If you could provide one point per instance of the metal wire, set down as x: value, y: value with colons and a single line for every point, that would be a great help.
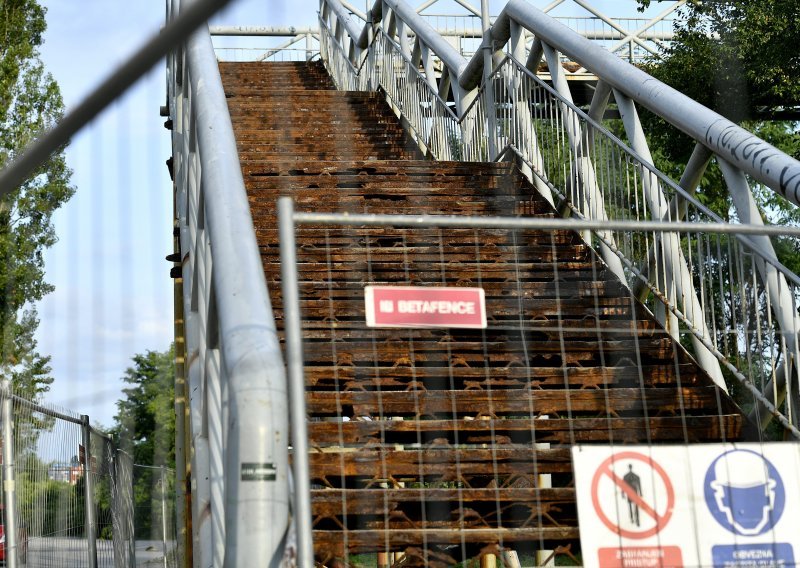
x: 125, y: 75
x: 423, y: 254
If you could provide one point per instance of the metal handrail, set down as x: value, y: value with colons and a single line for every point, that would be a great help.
x: 739, y: 231
x: 232, y: 344
x: 423, y: 127
x: 446, y: 52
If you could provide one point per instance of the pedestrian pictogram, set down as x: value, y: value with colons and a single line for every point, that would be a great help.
x: 634, y: 483
x: 632, y: 495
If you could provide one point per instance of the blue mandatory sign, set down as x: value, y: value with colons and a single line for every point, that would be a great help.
x: 744, y: 492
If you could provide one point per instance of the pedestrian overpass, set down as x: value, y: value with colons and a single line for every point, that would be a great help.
x: 618, y: 308
x: 426, y: 267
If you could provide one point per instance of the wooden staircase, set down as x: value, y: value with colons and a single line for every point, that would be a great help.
x: 435, y: 443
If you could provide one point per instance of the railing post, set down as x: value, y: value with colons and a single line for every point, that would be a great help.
x: 9, y: 477
x: 88, y: 492
x: 489, y: 108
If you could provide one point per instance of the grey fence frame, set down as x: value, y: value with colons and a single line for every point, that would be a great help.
x: 289, y: 219
x: 120, y: 479
x: 231, y: 340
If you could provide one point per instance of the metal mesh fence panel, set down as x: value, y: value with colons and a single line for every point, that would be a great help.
x: 60, y: 491
x: 50, y: 486
x: 430, y: 442
x: 122, y: 510
x: 102, y: 470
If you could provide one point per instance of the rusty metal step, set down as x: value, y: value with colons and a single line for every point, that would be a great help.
x: 367, y: 468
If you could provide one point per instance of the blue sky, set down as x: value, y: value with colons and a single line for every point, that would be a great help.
x: 113, y: 293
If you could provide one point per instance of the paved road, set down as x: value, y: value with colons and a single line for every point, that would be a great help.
x: 65, y: 552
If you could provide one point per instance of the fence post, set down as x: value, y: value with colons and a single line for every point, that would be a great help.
x: 124, y: 541
x: 164, y: 512
x: 88, y: 491
x: 9, y: 489
x: 297, y: 392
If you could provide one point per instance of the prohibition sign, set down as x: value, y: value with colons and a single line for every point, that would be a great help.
x: 643, y: 502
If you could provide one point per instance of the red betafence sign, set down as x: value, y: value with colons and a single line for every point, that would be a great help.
x: 416, y: 306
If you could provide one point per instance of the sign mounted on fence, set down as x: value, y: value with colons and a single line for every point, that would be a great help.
x: 722, y: 505
x: 645, y: 487
x: 417, y: 306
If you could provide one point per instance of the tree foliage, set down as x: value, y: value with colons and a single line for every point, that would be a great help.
x: 739, y: 57
x: 30, y: 102
x: 145, y: 427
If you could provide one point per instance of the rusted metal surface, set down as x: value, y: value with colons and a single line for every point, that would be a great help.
x: 433, y: 442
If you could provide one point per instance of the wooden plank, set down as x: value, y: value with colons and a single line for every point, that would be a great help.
x: 372, y: 467
x: 673, y: 429
x: 361, y: 540
x: 609, y: 402
x: 390, y: 377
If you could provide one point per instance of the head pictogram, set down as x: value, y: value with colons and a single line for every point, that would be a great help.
x: 744, y: 487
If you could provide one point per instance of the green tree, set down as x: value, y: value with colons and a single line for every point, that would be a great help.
x: 739, y: 57
x: 145, y: 427
x: 30, y: 102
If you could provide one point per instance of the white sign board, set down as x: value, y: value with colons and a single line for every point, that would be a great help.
x: 721, y: 505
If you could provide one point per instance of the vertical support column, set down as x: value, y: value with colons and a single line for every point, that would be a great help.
x: 545, y: 557
x: 489, y: 108
x: 402, y: 37
x: 677, y: 279
x: 518, y: 86
x: 511, y: 559
x: 323, y: 44
x: 586, y: 193
x: 296, y: 376
x: 182, y: 496
x: 779, y: 293
x: 88, y: 492
x: 9, y: 477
